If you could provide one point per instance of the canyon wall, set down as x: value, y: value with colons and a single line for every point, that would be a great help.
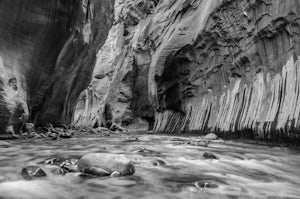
x: 238, y: 72
x: 47, y: 55
x: 200, y: 66
x: 118, y: 92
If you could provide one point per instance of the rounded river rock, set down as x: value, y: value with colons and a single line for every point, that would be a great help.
x: 93, y: 162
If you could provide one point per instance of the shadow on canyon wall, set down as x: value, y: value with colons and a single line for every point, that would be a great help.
x: 47, y: 54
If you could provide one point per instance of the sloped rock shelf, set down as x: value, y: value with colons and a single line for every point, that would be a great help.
x: 243, y: 170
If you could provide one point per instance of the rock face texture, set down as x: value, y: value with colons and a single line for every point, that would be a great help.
x: 200, y: 65
x: 47, y: 55
x: 233, y: 69
x: 119, y: 89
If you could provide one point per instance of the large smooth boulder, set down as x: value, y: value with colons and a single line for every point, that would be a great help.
x: 102, y: 163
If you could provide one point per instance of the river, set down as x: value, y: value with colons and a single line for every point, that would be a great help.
x: 242, y: 170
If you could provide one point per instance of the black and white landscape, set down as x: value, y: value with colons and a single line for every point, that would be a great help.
x: 149, y: 99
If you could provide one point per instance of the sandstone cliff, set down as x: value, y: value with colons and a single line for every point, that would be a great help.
x: 119, y: 89
x: 200, y: 65
x: 47, y: 54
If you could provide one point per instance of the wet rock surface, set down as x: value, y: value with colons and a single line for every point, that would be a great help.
x: 32, y: 172
x: 158, y: 163
x: 65, y: 132
x: 105, y: 164
x: 64, y: 164
x: 210, y: 136
x: 206, y: 184
x: 147, y: 152
x: 243, y: 170
x: 209, y: 155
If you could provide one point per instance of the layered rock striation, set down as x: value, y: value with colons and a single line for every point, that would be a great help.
x: 47, y: 55
x: 223, y: 66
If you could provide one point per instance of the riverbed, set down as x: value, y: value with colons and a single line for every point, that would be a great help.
x: 242, y: 170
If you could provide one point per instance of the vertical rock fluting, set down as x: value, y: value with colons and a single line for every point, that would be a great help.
x: 47, y: 54
x: 232, y: 68
x: 222, y: 65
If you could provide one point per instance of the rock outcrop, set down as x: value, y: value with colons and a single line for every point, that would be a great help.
x: 47, y: 55
x: 200, y: 65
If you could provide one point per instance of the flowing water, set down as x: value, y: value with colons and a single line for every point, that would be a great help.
x: 243, y: 170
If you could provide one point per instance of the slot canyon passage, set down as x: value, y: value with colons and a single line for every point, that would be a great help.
x: 149, y: 99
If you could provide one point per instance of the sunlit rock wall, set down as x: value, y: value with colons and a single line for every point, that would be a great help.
x: 47, y: 54
x: 228, y: 66
x: 200, y: 65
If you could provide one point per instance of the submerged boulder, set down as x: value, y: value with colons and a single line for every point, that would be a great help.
x: 206, y: 184
x: 209, y: 155
x: 158, y: 163
x: 102, y: 164
x: 210, y: 136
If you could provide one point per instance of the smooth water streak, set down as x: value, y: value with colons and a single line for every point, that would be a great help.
x: 242, y: 171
